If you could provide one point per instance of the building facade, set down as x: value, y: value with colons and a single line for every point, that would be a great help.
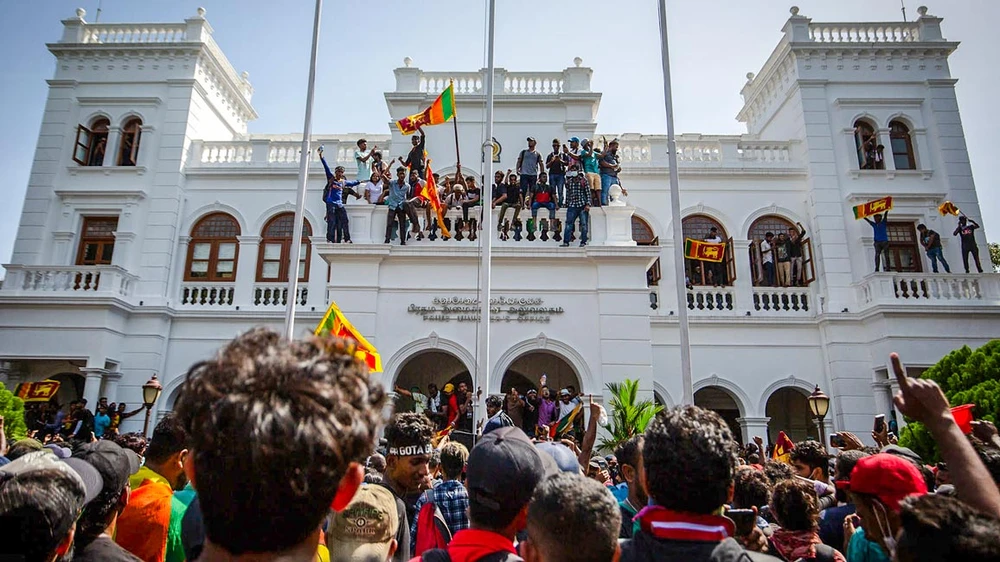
x: 155, y: 228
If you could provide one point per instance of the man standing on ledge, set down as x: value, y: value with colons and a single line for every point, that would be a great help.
x: 529, y: 161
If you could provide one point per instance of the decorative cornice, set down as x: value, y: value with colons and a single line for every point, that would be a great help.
x: 865, y: 102
x: 106, y: 170
x: 119, y: 100
x: 118, y: 194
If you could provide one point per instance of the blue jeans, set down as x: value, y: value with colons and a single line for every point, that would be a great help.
x: 606, y: 183
x: 528, y: 183
x: 935, y: 254
x: 338, y: 226
x: 558, y: 181
x: 550, y: 206
x: 769, y: 273
x: 572, y: 213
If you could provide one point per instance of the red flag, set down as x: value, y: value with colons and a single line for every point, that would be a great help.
x: 430, y: 193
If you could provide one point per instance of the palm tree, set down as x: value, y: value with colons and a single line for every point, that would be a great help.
x: 629, y: 417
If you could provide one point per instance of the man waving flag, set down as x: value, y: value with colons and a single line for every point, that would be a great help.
x: 430, y: 193
x: 441, y: 111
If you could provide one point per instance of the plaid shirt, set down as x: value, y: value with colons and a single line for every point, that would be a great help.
x: 577, y: 191
x: 453, y: 501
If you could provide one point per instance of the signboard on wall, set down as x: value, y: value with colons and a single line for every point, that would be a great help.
x: 502, y: 309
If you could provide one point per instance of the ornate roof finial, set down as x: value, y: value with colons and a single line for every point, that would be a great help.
x: 794, y: 10
x: 407, y: 61
x: 750, y: 76
x: 201, y: 12
x: 577, y: 61
x: 80, y: 12
x: 922, y: 10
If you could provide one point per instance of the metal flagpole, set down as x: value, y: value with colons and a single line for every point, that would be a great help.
x: 300, y: 200
x: 454, y: 120
x: 675, y: 215
x: 486, y: 238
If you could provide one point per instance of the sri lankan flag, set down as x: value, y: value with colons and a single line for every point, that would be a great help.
x: 441, y: 111
x: 430, y: 193
x: 872, y: 208
x: 704, y: 251
x: 41, y: 391
x: 949, y: 208
x: 566, y: 423
x: 337, y: 324
x: 783, y: 448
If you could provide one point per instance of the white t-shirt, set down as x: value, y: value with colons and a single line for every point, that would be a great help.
x: 419, y: 402
x: 765, y: 251
x: 373, y: 191
x: 565, y: 409
x: 715, y: 240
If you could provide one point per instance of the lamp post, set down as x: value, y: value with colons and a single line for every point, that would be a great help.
x: 150, y: 394
x: 819, y: 404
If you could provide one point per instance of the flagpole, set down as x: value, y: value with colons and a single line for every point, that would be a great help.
x: 675, y: 215
x: 300, y: 200
x: 454, y: 120
x: 483, y: 374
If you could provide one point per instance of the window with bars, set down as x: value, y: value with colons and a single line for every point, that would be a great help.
x: 698, y: 227
x: 904, y: 247
x: 276, y: 249
x: 91, y: 143
x: 214, y: 249
x: 902, y: 146
x: 128, y: 149
x: 97, y: 241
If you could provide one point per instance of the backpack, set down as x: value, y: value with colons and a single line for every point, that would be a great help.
x: 441, y: 555
x: 432, y: 529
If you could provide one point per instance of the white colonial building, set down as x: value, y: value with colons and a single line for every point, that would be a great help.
x: 155, y: 228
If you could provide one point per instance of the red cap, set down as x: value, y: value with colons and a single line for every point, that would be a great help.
x: 890, y: 478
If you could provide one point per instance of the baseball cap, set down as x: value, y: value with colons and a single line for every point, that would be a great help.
x: 564, y: 458
x: 531, y: 139
x: 574, y: 139
x: 564, y: 392
x: 364, y: 529
x: 61, y: 452
x: 114, y: 463
x: 41, y: 460
x: 449, y: 388
x: 503, y: 470
x: 890, y: 478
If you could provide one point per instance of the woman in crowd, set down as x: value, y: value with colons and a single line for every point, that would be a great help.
x: 795, y: 507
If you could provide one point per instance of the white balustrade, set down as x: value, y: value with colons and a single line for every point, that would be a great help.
x: 907, y: 32
x: 929, y: 289
x: 782, y: 300
x: 98, y: 280
x: 226, y: 153
x: 132, y: 33
x: 699, y: 151
x: 465, y: 82
x: 711, y: 299
x: 534, y: 83
x: 634, y: 152
x: 764, y: 152
x: 206, y: 295
x: 275, y: 295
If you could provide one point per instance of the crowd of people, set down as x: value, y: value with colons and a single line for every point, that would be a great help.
x: 576, y: 177
x: 276, y: 450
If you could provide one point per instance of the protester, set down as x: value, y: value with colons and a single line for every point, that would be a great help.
x: 496, y: 417
x: 150, y: 525
x: 366, y: 529
x: 530, y: 416
x: 548, y: 409
x: 831, y: 526
x: 335, y: 194
x: 514, y: 406
x: 796, y: 510
x: 409, y: 436
x: 810, y: 460
x: 40, y: 500
x: 609, y: 165
x: 362, y: 157
x: 101, y: 422
x: 120, y: 415
x: 415, y: 159
x: 629, y: 455
x: 556, y: 163
x: 529, y: 163
x: 767, y: 259
x: 449, y: 497
x: 571, y: 518
x: 931, y: 241
x: 689, y: 459
x: 98, y: 523
x: 966, y: 231
x: 935, y: 528
x: 880, y: 232
x: 752, y: 490
x: 398, y: 207
x: 504, y: 469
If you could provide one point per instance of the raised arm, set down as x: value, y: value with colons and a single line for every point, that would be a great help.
x: 128, y: 415
x: 403, y: 391
x: 329, y: 174
x: 869, y: 221
x: 802, y: 229
x: 590, y: 437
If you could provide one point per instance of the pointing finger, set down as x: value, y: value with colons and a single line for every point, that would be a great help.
x: 899, y: 370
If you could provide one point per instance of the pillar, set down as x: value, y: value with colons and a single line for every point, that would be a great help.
x: 110, y: 387
x: 246, y: 270
x: 754, y: 427
x: 94, y: 376
x: 111, y: 149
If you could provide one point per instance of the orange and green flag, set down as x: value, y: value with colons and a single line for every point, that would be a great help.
x: 704, y: 251
x: 338, y: 325
x: 441, y: 111
x: 783, y: 448
x: 41, y: 391
x: 872, y: 208
x: 566, y: 423
x: 430, y: 193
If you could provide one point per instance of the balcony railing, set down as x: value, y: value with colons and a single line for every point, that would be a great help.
x: 207, y: 295
x: 274, y: 153
x: 698, y: 151
x: 80, y: 280
x: 721, y: 300
x: 929, y: 289
x: 865, y: 33
x: 275, y: 295
x: 782, y: 300
x: 119, y: 33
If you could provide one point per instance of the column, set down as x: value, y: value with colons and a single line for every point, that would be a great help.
x: 92, y: 385
x: 110, y: 387
x: 246, y: 270
x: 743, y: 286
x: 618, y: 225
x: 890, y: 164
x: 111, y: 149
x: 754, y: 427
x: 316, y: 284
x: 8, y: 376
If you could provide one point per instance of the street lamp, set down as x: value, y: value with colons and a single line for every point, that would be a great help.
x: 819, y: 404
x: 150, y: 394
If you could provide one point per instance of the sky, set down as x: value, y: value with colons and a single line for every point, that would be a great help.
x: 713, y: 45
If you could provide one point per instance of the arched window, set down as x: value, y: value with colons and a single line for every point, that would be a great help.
x: 276, y: 249
x: 869, y: 149
x: 902, y: 146
x: 128, y: 149
x: 91, y: 142
x: 643, y: 235
x: 213, y: 249
x: 699, y: 272
x: 759, y: 254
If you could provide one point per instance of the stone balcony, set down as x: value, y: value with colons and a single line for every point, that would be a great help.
x: 975, y: 290
x: 75, y: 281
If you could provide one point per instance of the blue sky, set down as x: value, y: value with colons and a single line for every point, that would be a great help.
x: 714, y: 44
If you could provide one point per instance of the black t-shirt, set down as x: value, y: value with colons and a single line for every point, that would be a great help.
x: 415, y: 159
x: 103, y: 549
x: 968, y: 234
x: 403, y: 533
x: 513, y: 194
x: 557, y: 166
x: 498, y: 190
x: 87, y: 417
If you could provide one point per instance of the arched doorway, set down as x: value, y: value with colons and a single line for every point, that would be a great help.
x: 526, y: 371
x: 721, y: 402
x: 788, y: 409
x: 70, y: 388
x: 429, y: 367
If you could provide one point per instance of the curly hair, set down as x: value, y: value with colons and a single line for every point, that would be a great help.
x: 991, y: 458
x: 690, y: 457
x: 812, y: 454
x: 845, y: 463
x: 795, y: 505
x: 409, y: 428
x: 135, y: 442
x: 776, y: 471
x: 274, y: 426
x: 941, y: 528
x: 751, y: 489
x: 571, y: 517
